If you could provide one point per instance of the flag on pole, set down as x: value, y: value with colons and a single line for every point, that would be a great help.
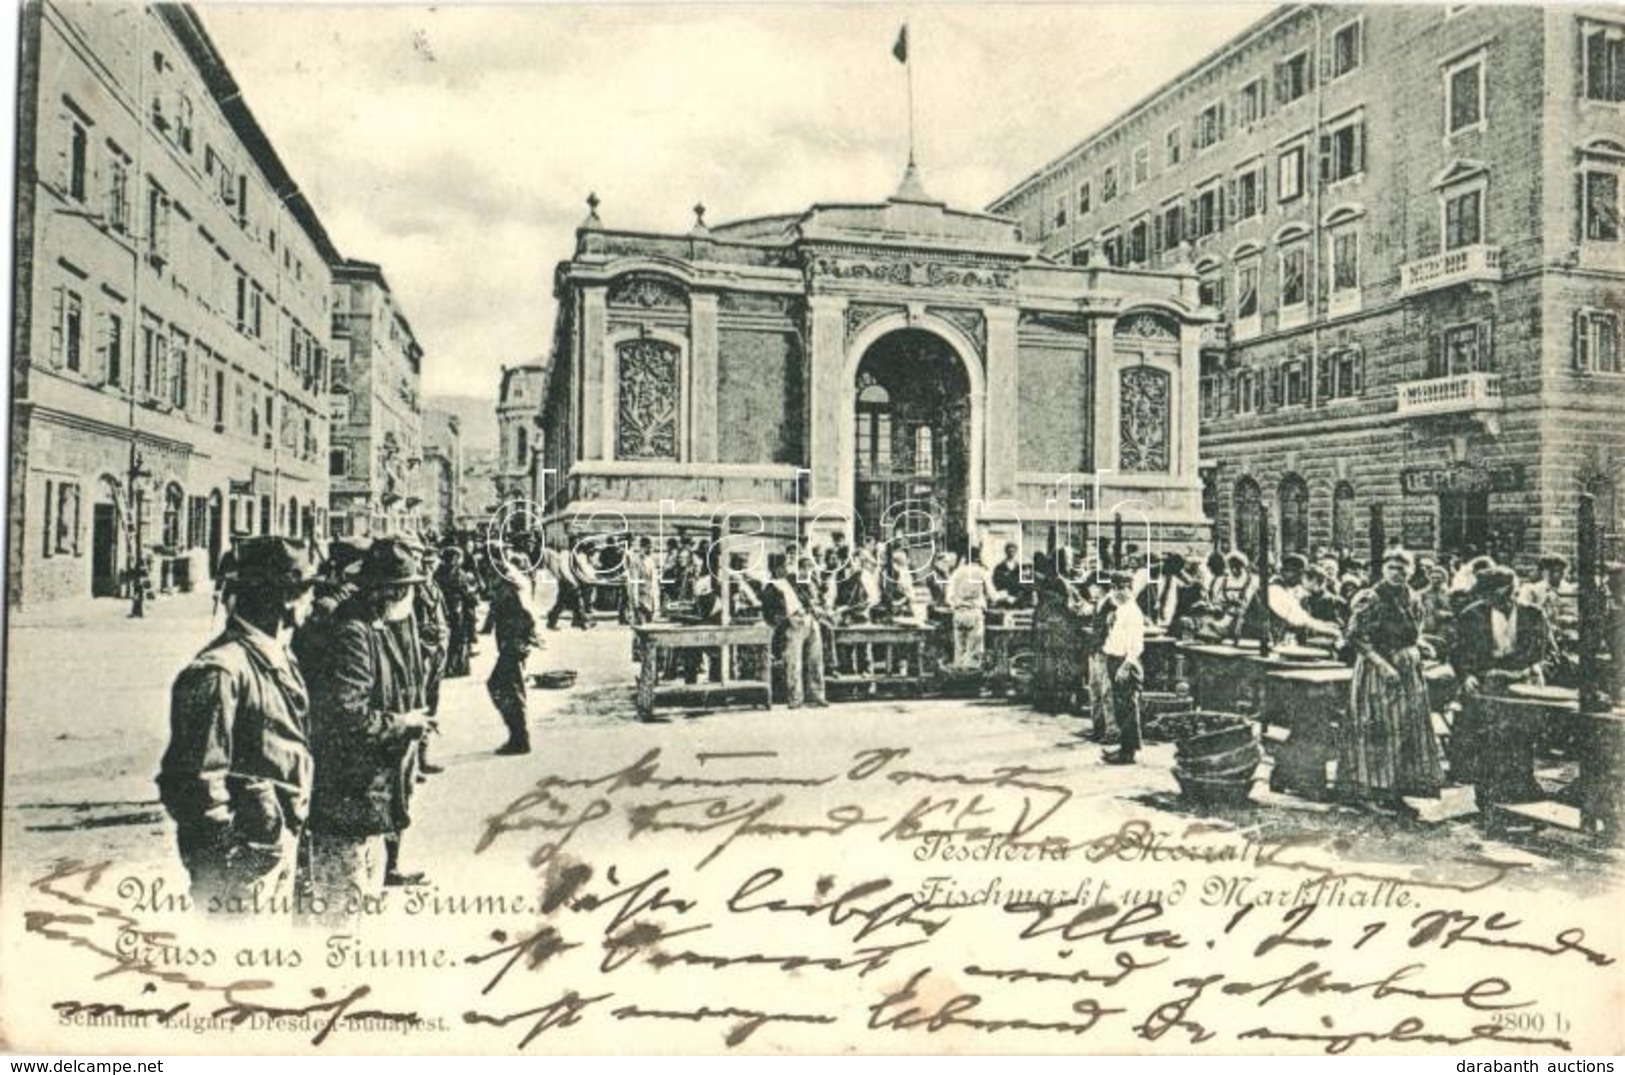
x: 900, y: 50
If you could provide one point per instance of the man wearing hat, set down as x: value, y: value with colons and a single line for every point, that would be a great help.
x: 1287, y: 613
x: 236, y: 777
x: 1545, y: 593
x: 434, y: 629
x: 367, y: 720
x: 1171, y: 600
x: 514, y: 626
x: 1498, y: 642
x: 792, y: 611
x: 1123, y: 646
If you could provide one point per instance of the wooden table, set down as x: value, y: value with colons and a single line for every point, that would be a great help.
x: 1311, y: 704
x: 894, y: 654
x: 656, y: 641
x: 1509, y: 728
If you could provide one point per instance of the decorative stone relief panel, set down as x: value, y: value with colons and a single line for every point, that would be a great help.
x: 1147, y: 327
x: 970, y: 322
x: 648, y: 395
x: 647, y: 292
x: 860, y: 314
x: 1144, y: 419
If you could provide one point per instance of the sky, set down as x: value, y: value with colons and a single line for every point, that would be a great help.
x: 455, y: 145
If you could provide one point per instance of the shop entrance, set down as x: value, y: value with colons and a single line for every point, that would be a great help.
x: 1464, y: 523
x: 912, y: 434
x: 104, y: 540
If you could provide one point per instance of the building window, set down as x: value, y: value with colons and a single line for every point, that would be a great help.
x: 1210, y: 398
x: 1295, y: 381
x: 61, y: 522
x: 1248, y: 196
x: 1294, y: 269
x: 520, y: 445
x: 1603, y: 60
x: 1343, y: 150
x: 1142, y: 166
x: 78, y: 160
x: 118, y: 191
x: 1464, y: 95
x: 1246, y: 502
x: 1464, y: 219
x: 1174, y: 146
x: 925, y: 455
x: 1060, y: 222
x: 1139, y: 242
x: 1344, y: 523
x: 648, y: 400
x: 157, y: 223
x: 1289, y: 174
x: 1173, y: 223
x: 174, y: 506
x: 183, y: 123
x: 1341, y: 374
x: 1083, y: 197
x: 1252, y: 102
x: 1210, y: 290
x: 113, y: 349
x: 68, y: 335
x: 1083, y: 255
x: 1209, y: 125
x: 179, y: 371
x: 1293, y: 498
x: 1596, y: 341
x: 1249, y: 392
x: 1108, y: 183
x: 874, y: 428
x: 1462, y: 349
x: 1247, y: 288
x: 1207, y: 211
x: 1111, y: 248
x: 1346, y: 49
x: 1600, y: 208
x: 1293, y: 78
x: 1345, y: 244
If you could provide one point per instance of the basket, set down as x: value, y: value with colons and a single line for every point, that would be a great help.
x: 1219, y: 741
x: 1242, y: 760
x: 1214, y: 790
x: 558, y: 680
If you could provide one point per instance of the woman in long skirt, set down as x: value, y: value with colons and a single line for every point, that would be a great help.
x: 1388, y: 751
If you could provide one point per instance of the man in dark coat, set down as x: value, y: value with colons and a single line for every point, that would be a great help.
x: 514, y: 625
x: 434, y: 631
x: 366, y: 721
x: 462, y: 601
x: 236, y: 777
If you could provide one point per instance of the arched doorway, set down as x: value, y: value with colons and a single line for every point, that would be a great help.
x: 1293, y: 496
x: 1344, y: 524
x: 911, y: 444
x: 1248, y: 526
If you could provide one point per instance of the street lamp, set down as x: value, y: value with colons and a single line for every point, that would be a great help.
x: 138, y: 575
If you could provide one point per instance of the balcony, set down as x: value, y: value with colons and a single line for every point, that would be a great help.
x: 1462, y: 394
x: 1215, y: 334
x: 1466, y: 265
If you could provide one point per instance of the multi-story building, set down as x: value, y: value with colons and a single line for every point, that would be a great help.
x: 375, y: 407
x: 1408, y: 218
x: 519, y: 432
x: 442, y: 469
x: 477, y: 496
x: 171, y: 311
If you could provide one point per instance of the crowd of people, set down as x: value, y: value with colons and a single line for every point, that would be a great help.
x: 299, y: 733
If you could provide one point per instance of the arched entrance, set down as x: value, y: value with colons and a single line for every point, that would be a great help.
x: 1246, y: 502
x: 107, y: 538
x: 911, y: 444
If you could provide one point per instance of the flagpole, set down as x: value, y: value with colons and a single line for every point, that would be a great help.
x: 908, y: 74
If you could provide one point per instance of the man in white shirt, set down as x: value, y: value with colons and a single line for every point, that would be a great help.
x: 1124, y: 645
x: 970, y: 590
x: 1286, y: 595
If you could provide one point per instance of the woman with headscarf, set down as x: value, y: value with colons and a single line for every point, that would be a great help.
x: 1388, y: 751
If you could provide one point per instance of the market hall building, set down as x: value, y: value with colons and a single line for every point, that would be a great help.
x: 899, y: 370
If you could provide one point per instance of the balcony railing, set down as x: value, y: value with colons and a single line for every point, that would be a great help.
x: 1465, y: 265
x: 1216, y: 334
x: 1451, y: 395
